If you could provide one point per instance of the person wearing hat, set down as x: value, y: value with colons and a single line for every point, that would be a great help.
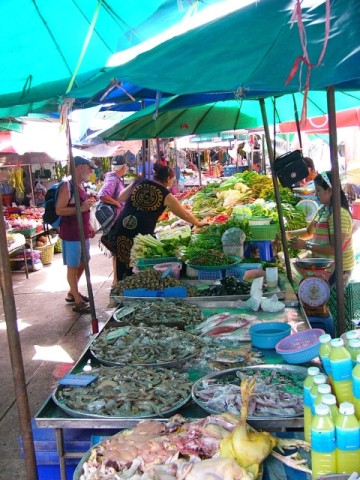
x: 109, y: 193
x: 73, y: 257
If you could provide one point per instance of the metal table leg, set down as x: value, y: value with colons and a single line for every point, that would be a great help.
x: 60, y: 450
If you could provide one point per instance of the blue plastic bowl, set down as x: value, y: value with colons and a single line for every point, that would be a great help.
x: 267, y: 335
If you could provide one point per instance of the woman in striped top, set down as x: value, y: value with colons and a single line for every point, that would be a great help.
x: 319, y: 237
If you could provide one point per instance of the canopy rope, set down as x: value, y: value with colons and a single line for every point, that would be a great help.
x: 304, y: 58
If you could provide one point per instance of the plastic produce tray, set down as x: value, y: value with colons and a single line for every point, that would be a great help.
x: 263, y: 232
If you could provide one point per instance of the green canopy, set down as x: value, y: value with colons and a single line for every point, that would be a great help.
x: 47, y: 44
x: 253, y: 50
x: 182, y: 115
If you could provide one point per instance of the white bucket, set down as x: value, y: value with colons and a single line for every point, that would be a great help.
x: 174, y: 266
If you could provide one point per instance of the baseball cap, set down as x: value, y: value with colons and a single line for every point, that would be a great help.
x: 84, y: 161
x: 118, y: 160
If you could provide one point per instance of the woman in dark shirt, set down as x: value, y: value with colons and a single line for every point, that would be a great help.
x: 145, y: 202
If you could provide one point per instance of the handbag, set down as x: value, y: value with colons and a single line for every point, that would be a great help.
x: 290, y: 168
x: 105, y: 215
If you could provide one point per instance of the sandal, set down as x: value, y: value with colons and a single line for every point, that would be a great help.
x: 70, y: 298
x: 81, y: 307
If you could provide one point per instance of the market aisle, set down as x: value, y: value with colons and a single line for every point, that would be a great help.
x: 52, y: 337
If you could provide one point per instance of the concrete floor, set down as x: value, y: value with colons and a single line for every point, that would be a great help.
x: 52, y: 337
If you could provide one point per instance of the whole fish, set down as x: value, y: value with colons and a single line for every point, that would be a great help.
x: 226, y: 326
x: 213, y: 320
x: 241, y: 335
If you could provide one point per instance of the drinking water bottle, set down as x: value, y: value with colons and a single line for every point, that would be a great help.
x: 323, y: 456
x: 324, y: 352
x: 347, y: 433
x: 355, y: 375
x: 330, y: 400
x: 341, y: 368
x: 308, y: 383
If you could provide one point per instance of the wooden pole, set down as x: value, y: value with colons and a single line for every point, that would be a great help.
x: 16, y: 359
x: 336, y: 206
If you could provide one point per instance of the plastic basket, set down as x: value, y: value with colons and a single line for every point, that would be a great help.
x: 238, y: 272
x: 145, y: 263
x: 263, y: 232
x: 46, y: 254
x: 209, y: 274
x: 300, y: 347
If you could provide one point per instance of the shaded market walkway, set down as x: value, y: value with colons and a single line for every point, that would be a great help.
x: 52, y: 338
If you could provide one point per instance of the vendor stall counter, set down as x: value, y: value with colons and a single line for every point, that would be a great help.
x: 51, y: 416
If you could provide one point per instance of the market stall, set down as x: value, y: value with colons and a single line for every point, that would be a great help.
x: 210, y: 357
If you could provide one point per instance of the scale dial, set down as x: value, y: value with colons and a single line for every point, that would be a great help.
x: 310, y: 207
x: 314, y: 292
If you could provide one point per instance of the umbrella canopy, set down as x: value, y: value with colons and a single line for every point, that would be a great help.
x: 254, y: 49
x: 186, y: 115
x: 47, y: 45
x: 345, y: 118
x: 165, y: 123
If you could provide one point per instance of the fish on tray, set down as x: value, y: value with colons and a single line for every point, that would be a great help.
x: 220, y: 318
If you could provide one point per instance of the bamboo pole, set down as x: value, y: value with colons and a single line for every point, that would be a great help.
x: 17, y: 365
x: 336, y: 205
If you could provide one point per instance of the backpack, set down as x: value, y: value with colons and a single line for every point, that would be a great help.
x: 50, y: 216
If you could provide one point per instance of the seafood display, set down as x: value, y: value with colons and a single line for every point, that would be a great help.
x: 278, y: 391
x: 150, y: 279
x: 178, y: 314
x: 146, y: 346
x: 126, y: 392
x: 227, y: 326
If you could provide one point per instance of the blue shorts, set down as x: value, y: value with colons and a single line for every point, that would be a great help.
x: 72, y: 254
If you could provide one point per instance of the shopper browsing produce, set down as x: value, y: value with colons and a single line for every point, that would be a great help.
x: 145, y: 202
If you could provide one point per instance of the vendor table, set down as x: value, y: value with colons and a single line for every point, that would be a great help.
x: 51, y: 416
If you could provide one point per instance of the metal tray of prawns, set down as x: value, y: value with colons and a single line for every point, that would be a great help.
x: 220, y: 400
x: 130, y: 393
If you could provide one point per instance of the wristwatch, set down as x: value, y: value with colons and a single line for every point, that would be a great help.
x: 309, y: 245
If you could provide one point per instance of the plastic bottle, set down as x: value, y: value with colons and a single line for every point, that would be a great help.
x: 318, y: 380
x: 330, y: 400
x: 355, y: 375
x: 324, y: 352
x: 350, y: 335
x: 347, y: 432
x: 323, y: 389
x: 353, y: 347
x: 323, y: 456
x: 308, y: 383
x: 341, y: 368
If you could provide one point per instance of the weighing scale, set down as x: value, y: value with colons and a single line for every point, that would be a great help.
x: 310, y: 207
x: 313, y: 294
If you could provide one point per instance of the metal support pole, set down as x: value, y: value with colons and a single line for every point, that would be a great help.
x: 336, y: 205
x: 276, y: 190
x: 16, y: 359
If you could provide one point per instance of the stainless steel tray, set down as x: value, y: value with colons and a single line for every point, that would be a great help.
x: 291, y: 369
x: 80, y: 414
x: 170, y: 363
